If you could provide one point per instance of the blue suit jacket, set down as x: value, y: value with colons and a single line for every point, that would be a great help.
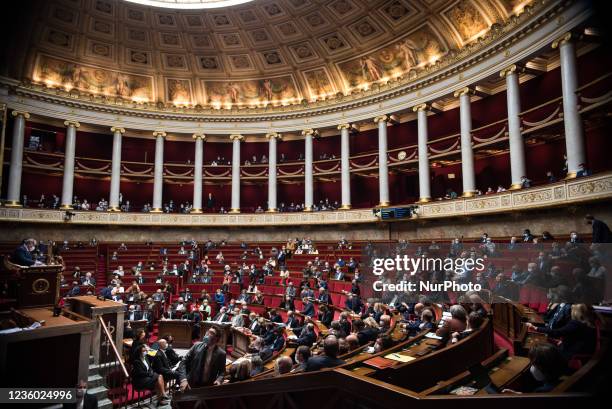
x: 22, y: 257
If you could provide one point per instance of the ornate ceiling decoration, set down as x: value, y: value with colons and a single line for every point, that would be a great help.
x: 264, y: 53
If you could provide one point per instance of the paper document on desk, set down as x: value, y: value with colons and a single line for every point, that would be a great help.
x: 432, y: 335
x: 400, y: 358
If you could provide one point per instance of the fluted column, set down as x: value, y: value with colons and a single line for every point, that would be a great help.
x: 424, y: 178
x: 272, y: 137
x: 518, y: 168
x: 197, y: 172
x: 235, y: 208
x: 467, y: 154
x: 14, y: 186
x: 158, y: 175
x: 383, y: 167
x: 308, y: 179
x: 113, y: 202
x: 68, y: 182
x: 345, y: 152
x: 574, y: 138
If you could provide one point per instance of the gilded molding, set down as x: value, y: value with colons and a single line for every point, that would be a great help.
x: 195, y: 136
x: 379, y: 118
x: 117, y: 129
x: 16, y: 113
x: 238, y: 137
x: 464, y: 91
x: 159, y: 133
x: 421, y: 107
x: 274, y: 135
x: 344, y: 126
x: 75, y: 124
x: 565, y: 38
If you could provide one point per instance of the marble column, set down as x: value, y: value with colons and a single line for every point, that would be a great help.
x: 197, y: 172
x: 345, y: 166
x: 467, y: 154
x: 69, y: 152
x: 13, y: 198
x: 308, y: 178
x: 574, y: 137
x: 113, y: 202
x: 235, y: 208
x: 383, y: 166
x: 158, y: 175
x: 272, y: 138
x: 518, y: 168
x: 424, y: 178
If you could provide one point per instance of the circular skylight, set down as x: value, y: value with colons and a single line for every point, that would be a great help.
x: 190, y: 4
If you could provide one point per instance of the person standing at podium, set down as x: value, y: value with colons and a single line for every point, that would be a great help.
x: 23, y: 254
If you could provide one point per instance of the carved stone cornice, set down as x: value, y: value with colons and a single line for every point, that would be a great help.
x: 496, y: 41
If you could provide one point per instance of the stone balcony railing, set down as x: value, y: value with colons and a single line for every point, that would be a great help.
x: 564, y: 193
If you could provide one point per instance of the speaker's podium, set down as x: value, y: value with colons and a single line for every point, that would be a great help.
x: 36, y: 286
x: 111, y: 313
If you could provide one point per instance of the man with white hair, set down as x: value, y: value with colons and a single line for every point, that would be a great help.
x: 161, y: 363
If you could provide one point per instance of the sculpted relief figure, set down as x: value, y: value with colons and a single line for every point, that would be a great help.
x: 370, y: 69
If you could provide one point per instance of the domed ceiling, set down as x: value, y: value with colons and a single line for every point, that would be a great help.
x: 276, y: 52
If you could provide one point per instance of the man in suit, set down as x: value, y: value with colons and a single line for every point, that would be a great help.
x: 308, y: 308
x: 204, y: 364
x: 323, y: 296
x: 75, y: 290
x: 23, y: 254
x: 307, y: 336
x: 274, y: 317
x: 187, y: 295
x: 88, y: 280
x: 255, y: 325
x: 222, y: 315
x: 84, y: 400
x: 329, y: 359
x: 353, y: 303
x: 132, y: 314
x: 601, y: 231
x: 171, y: 354
x: 162, y: 364
x: 292, y: 322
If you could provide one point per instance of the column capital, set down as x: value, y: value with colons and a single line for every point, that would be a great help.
x: 421, y: 107
x: 159, y: 133
x: 464, y: 91
x: 308, y: 131
x: 237, y: 136
x: 197, y: 136
x: 72, y: 123
x: 26, y: 115
x: 274, y: 135
x: 565, y: 38
x: 118, y: 129
x: 344, y: 126
x: 514, y: 68
x: 380, y: 118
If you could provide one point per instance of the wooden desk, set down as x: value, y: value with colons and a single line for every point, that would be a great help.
x: 240, y: 342
x: 180, y: 330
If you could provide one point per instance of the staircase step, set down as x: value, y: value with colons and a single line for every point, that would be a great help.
x: 100, y: 392
x: 93, y: 369
x: 105, y: 404
x: 94, y: 381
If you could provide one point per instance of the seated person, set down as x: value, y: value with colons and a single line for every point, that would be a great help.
x: 475, y: 321
x: 144, y: 378
x: 275, y: 317
x: 325, y: 315
x: 302, y: 354
x: 162, y: 364
x: 329, y: 359
x: 578, y: 335
x: 282, y: 365
x: 307, y: 336
x: 222, y: 315
x: 308, y: 308
x: 323, y: 297
x: 456, y: 323
x: 240, y: 370
x: 547, y: 367
x: 367, y: 330
x: 383, y: 342
x: 257, y: 365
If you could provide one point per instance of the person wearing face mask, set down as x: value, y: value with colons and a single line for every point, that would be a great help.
x: 84, y: 400
x: 559, y: 310
x: 144, y: 378
x: 204, y: 364
x: 302, y: 354
x: 23, y: 254
x: 547, y: 366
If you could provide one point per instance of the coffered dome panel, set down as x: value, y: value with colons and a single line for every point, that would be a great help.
x: 275, y: 52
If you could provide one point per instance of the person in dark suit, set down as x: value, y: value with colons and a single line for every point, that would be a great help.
x: 222, y: 315
x: 329, y: 359
x: 287, y: 303
x: 255, y: 325
x: 365, y: 333
x: 23, y: 254
x: 325, y: 315
x: 88, y: 401
x: 308, y: 308
x: 323, y: 297
x: 274, y: 317
x: 307, y: 336
x: 162, y: 364
x: 601, y: 231
x: 353, y: 303
x: 559, y: 311
x: 144, y: 378
x: 273, y: 342
x: 204, y: 364
x: 292, y: 322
